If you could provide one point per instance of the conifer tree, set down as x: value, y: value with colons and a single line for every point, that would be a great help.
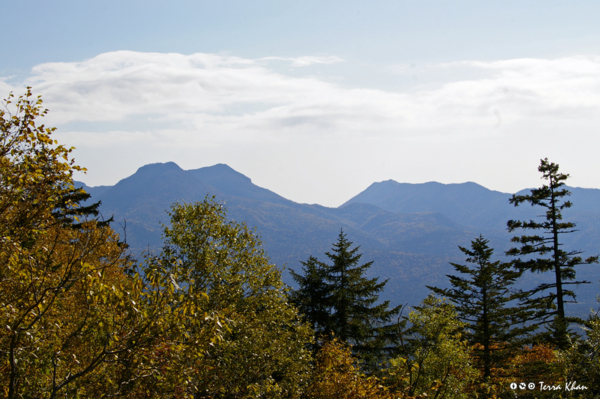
x: 482, y: 294
x: 536, y: 248
x: 337, y: 299
x: 311, y: 296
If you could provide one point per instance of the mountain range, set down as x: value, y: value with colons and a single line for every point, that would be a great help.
x: 410, y: 231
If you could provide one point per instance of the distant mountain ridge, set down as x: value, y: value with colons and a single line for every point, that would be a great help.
x: 464, y: 202
x: 410, y: 231
x: 467, y: 203
x: 235, y: 184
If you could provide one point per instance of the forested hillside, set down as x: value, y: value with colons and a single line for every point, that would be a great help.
x: 410, y: 231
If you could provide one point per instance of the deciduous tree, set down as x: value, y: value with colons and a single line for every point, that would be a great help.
x: 337, y: 376
x: 73, y: 323
x: 265, y: 352
x: 435, y: 358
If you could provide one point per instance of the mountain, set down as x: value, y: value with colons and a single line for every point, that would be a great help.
x: 93, y: 191
x: 226, y: 180
x: 475, y: 207
x: 139, y: 202
x: 467, y: 203
x: 410, y: 231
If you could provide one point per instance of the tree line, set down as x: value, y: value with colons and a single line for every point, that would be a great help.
x: 209, y: 317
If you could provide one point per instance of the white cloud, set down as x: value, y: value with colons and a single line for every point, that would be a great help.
x: 306, y: 60
x: 208, y: 89
x: 6, y: 88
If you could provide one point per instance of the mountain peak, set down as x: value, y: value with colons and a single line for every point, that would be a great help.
x: 460, y: 201
x: 159, y: 168
x: 227, y: 180
x: 218, y: 172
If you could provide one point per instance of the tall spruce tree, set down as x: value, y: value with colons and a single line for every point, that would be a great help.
x: 337, y: 299
x: 542, y: 252
x: 482, y: 294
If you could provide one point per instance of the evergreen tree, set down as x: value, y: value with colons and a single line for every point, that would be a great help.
x: 535, y: 247
x: 337, y: 299
x: 70, y: 209
x: 482, y: 299
x: 311, y: 296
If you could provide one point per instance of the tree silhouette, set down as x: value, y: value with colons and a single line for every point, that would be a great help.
x: 337, y: 299
x: 543, y: 252
x: 482, y: 294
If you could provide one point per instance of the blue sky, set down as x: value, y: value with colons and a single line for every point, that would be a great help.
x: 316, y: 100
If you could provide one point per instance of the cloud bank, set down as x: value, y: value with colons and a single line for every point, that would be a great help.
x: 211, y: 90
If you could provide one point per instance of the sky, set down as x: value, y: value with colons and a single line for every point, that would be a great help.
x: 316, y: 100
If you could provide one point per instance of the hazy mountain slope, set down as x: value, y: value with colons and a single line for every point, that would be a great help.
x: 483, y: 211
x: 427, y: 232
x: 140, y: 201
x: 463, y: 203
x: 410, y: 231
x: 404, y: 246
x: 93, y: 191
x: 235, y: 184
x: 477, y: 208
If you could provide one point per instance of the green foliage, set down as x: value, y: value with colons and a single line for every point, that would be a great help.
x: 53, y: 279
x: 264, y: 353
x: 435, y: 359
x: 580, y: 362
x: 73, y: 323
x: 338, y: 299
x: 482, y: 299
x: 534, y: 247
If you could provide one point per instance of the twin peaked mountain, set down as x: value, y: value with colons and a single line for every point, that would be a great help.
x: 410, y: 231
